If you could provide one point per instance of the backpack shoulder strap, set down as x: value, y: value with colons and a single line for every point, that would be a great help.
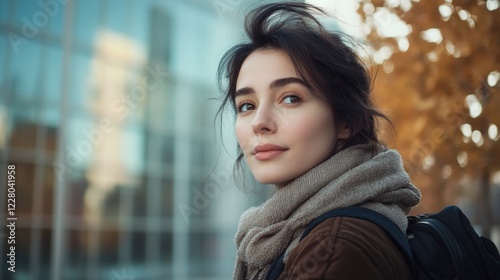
x: 389, y: 227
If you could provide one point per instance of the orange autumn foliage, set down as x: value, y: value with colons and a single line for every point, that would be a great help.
x: 423, y: 88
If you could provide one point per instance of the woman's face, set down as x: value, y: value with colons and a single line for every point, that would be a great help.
x: 282, y: 128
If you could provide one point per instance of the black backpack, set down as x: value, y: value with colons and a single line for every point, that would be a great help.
x: 443, y: 245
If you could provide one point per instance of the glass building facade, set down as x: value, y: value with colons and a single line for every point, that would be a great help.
x: 107, y: 115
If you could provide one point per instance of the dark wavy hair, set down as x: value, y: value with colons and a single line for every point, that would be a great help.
x: 321, y: 57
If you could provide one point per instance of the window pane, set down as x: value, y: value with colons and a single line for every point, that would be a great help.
x: 25, y: 70
x: 4, y: 10
x: 86, y: 16
x: 53, y: 77
x: 118, y: 19
x: 81, y: 93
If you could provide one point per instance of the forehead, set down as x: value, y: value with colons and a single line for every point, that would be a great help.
x: 263, y: 66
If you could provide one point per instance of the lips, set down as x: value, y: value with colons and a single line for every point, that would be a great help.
x: 267, y: 151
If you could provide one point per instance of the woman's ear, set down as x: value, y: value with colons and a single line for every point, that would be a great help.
x: 344, y: 132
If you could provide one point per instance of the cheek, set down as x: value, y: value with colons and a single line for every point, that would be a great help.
x: 317, y: 130
x: 242, y: 134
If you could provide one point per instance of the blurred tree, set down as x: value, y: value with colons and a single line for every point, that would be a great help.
x: 438, y: 70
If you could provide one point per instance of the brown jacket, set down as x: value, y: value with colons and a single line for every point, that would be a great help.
x: 346, y: 248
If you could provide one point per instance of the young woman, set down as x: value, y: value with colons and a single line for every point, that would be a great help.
x: 305, y: 123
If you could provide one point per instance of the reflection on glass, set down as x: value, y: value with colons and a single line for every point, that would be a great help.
x: 137, y: 139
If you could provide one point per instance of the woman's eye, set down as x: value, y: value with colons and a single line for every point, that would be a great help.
x: 245, y: 107
x: 291, y: 99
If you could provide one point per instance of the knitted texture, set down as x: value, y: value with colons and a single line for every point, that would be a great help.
x: 353, y: 176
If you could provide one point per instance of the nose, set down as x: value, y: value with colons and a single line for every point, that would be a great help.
x: 264, y: 121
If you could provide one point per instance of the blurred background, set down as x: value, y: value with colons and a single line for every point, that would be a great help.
x: 107, y: 111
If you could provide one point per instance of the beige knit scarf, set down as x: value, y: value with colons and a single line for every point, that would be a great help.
x: 351, y: 177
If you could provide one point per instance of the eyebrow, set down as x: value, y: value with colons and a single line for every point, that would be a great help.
x: 275, y: 84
